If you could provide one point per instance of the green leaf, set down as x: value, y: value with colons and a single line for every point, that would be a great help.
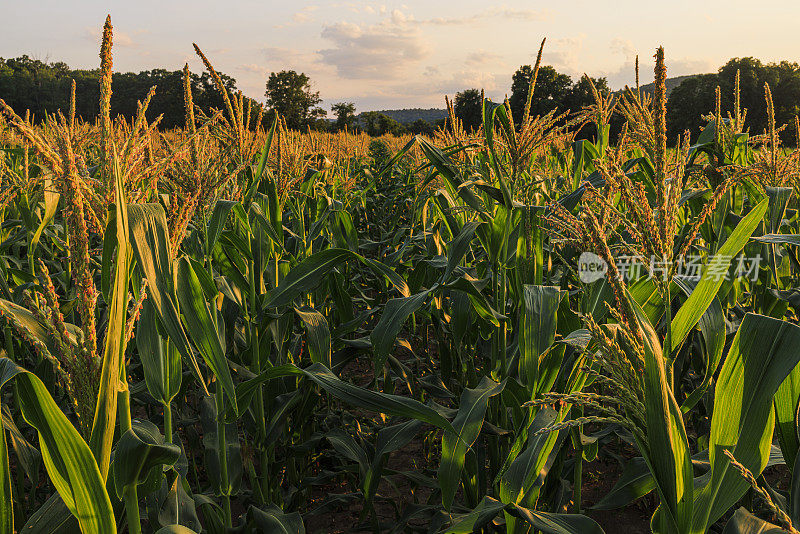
x: 712, y: 328
x: 161, y: 362
x: 69, y: 461
x: 175, y: 529
x: 112, y: 376
x: 53, y: 517
x: 51, y: 198
x: 197, y: 316
x: 779, y: 239
x: 537, y: 329
x: 140, y: 449
x: 318, y: 335
x: 762, y: 355
x: 467, y: 423
x: 544, y: 522
x: 635, y: 482
x: 523, y: 473
x: 458, y: 247
x: 6, y: 499
x: 273, y: 520
x: 306, y: 276
x: 550, y: 523
x: 394, y: 315
x: 743, y: 522
x: 222, y: 208
x: 786, y: 403
x: 705, y: 291
x: 389, y: 439
x: 667, y: 448
x: 150, y: 242
x: 355, y: 396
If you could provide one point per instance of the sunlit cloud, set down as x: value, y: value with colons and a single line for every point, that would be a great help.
x: 380, y: 51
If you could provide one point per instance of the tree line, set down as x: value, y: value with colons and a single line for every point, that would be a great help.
x: 43, y: 88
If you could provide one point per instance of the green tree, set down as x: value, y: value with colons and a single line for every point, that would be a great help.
x: 784, y: 82
x: 549, y: 93
x: 376, y: 124
x: 44, y: 88
x: 289, y: 94
x: 421, y: 127
x: 687, y: 104
x: 580, y: 94
x: 345, y: 115
x: 468, y: 107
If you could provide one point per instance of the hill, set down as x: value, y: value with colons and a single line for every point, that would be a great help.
x: 407, y: 116
x: 672, y: 83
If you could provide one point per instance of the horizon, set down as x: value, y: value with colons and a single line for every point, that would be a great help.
x: 401, y: 55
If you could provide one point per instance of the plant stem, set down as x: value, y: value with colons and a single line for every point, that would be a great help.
x: 255, y: 367
x: 131, y: 499
x: 668, y: 335
x: 223, y: 456
x: 124, y: 400
x: 168, y: 422
x: 222, y: 445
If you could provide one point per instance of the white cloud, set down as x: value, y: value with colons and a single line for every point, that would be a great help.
x: 481, y: 58
x: 380, y: 51
x: 120, y: 38
x: 280, y: 58
x: 304, y: 15
x: 495, y: 12
x: 564, y: 54
x: 252, y: 68
x: 625, y: 74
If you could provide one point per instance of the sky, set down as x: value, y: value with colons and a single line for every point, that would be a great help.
x: 409, y: 53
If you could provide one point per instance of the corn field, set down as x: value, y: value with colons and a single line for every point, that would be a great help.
x: 231, y: 328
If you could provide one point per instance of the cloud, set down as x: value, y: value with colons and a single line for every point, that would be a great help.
x: 120, y: 39
x: 564, y: 54
x: 304, y: 15
x: 482, y: 57
x: 252, y: 68
x: 380, y: 51
x: 625, y: 74
x: 495, y: 12
x: 279, y: 58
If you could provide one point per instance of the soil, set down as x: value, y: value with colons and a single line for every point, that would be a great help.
x: 599, y: 478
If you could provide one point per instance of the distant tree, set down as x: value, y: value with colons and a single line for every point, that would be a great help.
x: 376, y: 124
x: 784, y: 82
x: 581, y: 95
x: 289, y: 94
x: 345, y: 115
x: 549, y: 93
x: 687, y: 103
x: 421, y: 127
x: 468, y: 107
x: 209, y: 96
x: 44, y: 88
x: 696, y: 96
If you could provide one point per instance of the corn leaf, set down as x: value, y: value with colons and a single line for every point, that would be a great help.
x: 69, y: 461
x: 467, y: 423
x: 318, y: 335
x: 150, y: 242
x: 112, y: 378
x: 667, y: 448
x: 705, y: 291
x: 762, y: 355
x: 200, y: 325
